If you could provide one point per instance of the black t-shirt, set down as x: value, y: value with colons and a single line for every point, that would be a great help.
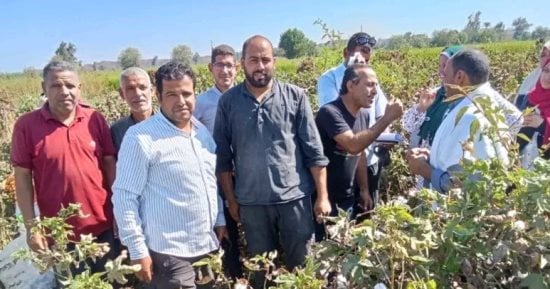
x: 332, y: 120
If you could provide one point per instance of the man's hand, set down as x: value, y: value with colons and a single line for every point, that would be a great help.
x: 394, y: 109
x: 221, y: 233
x: 532, y: 120
x: 426, y: 99
x: 36, y: 242
x: 322, y: 208
x: 234, y: 210
x: 366, y: 203
x: 145, y: 274
x: 417, y: 160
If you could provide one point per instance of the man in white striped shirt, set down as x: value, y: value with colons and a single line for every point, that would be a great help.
x: 165, y: 195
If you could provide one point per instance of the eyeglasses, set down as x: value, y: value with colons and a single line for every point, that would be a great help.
x: 365, y: 40
x: 221, y: 65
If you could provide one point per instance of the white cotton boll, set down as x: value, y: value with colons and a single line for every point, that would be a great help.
x: 519, y: 226
x: 380, y: 286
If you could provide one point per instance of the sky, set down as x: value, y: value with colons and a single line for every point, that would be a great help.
x: 31, y: 30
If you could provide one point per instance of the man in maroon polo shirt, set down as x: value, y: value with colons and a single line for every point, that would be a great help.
x: 63, y: 153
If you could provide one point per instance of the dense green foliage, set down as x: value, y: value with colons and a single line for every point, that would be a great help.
x: 494, y: 233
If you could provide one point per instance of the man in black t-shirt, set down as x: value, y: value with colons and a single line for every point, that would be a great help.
x: 344, y: 129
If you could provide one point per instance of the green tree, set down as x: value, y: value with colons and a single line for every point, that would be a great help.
x: 521, y: 28
x: 296, y: 44
x: 448, y: 37
x: 66, y: 52
x: 129, y: 57
x: 196, y: 57
x: 540, y: 33
x: 154, y: 61
x: 182, y: 53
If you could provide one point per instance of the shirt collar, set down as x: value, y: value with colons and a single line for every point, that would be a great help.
x: 47, y: 115
x: 274, y: 90
x: 163, y: 118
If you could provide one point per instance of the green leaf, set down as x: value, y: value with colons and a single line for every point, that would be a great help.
x: 420, y: 259
x: 460, y: 114
x: 474, y: 128
x: 534, y: 281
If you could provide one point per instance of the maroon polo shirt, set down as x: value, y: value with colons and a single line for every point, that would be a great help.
x: 66, y: 164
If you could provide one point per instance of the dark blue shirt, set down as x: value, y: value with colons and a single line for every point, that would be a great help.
x: 270, y: 145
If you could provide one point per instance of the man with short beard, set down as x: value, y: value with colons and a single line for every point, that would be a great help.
x: 137, y: 91
x: 265, y: 133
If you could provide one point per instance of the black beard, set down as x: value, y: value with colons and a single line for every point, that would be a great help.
x: 258, y: 83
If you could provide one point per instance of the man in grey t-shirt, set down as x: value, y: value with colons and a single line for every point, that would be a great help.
x: 137, y: 91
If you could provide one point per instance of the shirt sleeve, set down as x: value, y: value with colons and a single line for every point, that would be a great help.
x: 331, y: 122
x: 326, y: 89
x: 132, y: 170
x: 220, y: 219
x: 21, y: 150
x: 222, y: 137
x: 308, y: 135
x: 412, y: 119
x: 440, y: 180
x: 106, y: 138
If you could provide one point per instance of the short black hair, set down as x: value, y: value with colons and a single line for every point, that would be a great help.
x: 173, y: 70
x: 474, y: 63
x: 247, y: 42
x: 223, y: 50
x: 352, y: 42
x: 58, y: 65
x: 350, y: 74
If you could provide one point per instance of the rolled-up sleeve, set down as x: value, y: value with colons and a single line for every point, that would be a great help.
x: 131, y: 175
x: 308, y: 135
x: 222, y: 137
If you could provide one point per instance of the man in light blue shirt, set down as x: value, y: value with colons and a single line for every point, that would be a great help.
x: 165, y: 194
x: 328, y: 87
x: 224, y: 69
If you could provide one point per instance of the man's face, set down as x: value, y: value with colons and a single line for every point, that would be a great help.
x: 545, y: 76
x: 258, y: 63
x: 137, y: 91
x: 448, y: 74
x: 224, y: 71
x: 365, y: 51
x: 62, y: 89
x: 364, y: 89
x: 442, y: 63
x: 544, y: 56
x: 177, y: 100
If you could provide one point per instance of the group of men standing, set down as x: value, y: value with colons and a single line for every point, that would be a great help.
x: 250, y: 153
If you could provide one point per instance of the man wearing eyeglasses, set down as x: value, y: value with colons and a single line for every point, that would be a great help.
x: 328, y: 87
x: 224, y: 70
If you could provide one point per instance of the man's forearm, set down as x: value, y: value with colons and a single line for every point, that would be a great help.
x: 361, y: 173
x: 366, y: 138
x: 226, y: 182
x: 109, y: 170
x: 24, y: 191
x: 319, y: 175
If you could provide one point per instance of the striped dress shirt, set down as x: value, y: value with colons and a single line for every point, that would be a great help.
x: 165, y: 193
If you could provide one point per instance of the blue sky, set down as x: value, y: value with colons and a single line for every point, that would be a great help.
x: 31, y: 30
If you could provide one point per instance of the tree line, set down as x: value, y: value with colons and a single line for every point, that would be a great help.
x: 293, y: 43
